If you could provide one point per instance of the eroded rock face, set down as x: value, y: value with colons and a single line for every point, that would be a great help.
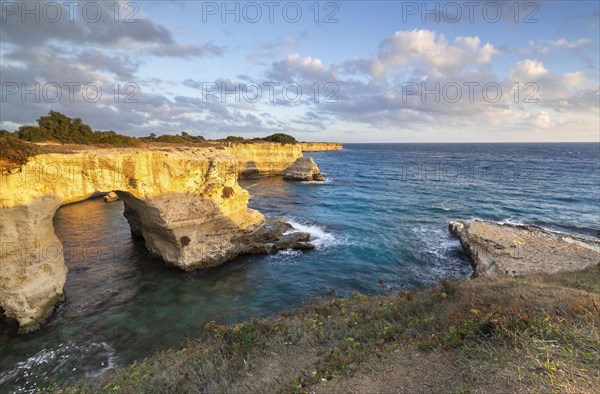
x: 320, y: 146
x: 514, y: 250
x: 303, y: 169
x: 264, y: 158
x: 111, y: 196
x: 184, y: 202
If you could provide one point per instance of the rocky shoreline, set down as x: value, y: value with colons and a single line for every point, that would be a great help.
x: 185, y: 202
x: 503, y: 249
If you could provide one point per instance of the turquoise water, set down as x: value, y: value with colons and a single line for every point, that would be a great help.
x: 381, y: 216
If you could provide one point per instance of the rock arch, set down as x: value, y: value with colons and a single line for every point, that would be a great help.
x: 185, y: 203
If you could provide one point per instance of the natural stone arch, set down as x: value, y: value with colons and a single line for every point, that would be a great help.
x: 188, y: 205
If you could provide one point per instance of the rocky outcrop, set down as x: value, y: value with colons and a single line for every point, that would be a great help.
x: 517, y: 250
x: 263, y: 158
x: 271, y: 158
x: 184, y: 202
x: 111, y: 196
x: 303, y: 169
x: 320, y: 146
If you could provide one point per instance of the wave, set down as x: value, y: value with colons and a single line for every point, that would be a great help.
x: 324, y: 182
x: 441, y: 252
x: 93, y: 358
x: 511, y: 220
x: 286, y: 255
x: 319, y: 236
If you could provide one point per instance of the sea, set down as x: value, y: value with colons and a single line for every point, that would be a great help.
x: 379, y: 223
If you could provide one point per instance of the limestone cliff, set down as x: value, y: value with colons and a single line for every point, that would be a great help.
x: 516, y: 250
x: 271, y: 158
x: 185, y: 202
x: 320, y: 146
x: 264, y: 158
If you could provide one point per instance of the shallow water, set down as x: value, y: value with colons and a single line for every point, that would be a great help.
x: 381, y: 216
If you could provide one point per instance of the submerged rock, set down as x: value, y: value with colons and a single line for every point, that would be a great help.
x: 303, y: 169
x: 111, y: 196
x: 518, y: 250
x: 273, y: 236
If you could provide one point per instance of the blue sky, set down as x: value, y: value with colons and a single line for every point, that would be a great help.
x: 368, y: 64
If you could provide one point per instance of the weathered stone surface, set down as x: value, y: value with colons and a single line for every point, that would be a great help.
x: 303, y: 169
x: 515, y: 250
x: 271, y: 158
x: 111, y: 196
x: 184, y: 202
x: 320, y: 146
x: 263, y: 158
x: 273, y: 236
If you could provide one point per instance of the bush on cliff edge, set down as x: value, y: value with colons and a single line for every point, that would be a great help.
x: 60, y: 128
x: 15, y: 153
x: 280, y: 137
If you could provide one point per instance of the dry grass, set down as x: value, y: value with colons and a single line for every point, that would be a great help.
x: 537, y: 334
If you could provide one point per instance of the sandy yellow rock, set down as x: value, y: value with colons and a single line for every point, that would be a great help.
x: 264, y: 158
x: 191, y: 212
x: 320, y: 146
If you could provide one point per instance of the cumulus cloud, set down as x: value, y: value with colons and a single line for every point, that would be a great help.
x: 135, y: 32
x: 295, y: 65
x: 528, y: 70
x: 541, y: 100
x: 541, y: 121
x: 367, y: 92
x: 426, y: 48
x: 576, y: 80
x: 72, y: 27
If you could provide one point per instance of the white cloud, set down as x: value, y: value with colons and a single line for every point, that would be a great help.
x: 428, y: 49
x: 533, y: 49
x: 542, y: 120
x: 576, y: 80
x: 571, y: 44
x: 528, y: 70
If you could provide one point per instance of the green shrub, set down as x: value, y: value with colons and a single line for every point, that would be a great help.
x: 280, y: 137
x: 60, y: 128
x: 181, y: 138
x: 234, y: 138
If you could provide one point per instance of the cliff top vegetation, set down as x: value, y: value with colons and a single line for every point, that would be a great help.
x: 59, y: 128
x: 539, y: 334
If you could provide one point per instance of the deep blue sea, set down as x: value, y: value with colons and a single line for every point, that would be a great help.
x: 379, y: 223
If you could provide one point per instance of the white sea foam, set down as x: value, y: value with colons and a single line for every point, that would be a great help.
x: 509, y: 220
x: 318, y: 235
x: 67, y: 357
x: 324, y: 182
x: 512, y: 220
x: 286, y: 255
x: 436, y: 241
x: 437, y: 247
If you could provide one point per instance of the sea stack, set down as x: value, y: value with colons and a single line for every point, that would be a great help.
x: 303, y: 169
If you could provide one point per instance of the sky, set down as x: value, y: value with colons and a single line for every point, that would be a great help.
x: 348, y: 71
